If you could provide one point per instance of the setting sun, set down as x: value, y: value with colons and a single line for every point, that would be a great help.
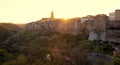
x: 24, y: 11
x: 65, y: 19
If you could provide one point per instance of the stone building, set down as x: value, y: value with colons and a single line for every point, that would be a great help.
x: 98, y: 31
x: 117, y: 14
x: 112, y: 16
x: 113, y: 31
x: 106, y: 29
x: 88, y: 17
x: 83, y: 19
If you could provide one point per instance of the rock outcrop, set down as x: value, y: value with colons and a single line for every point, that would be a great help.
x: 70, y: 26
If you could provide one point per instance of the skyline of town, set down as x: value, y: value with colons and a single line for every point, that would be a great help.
x: 111, y: 16
x: 24, y: 11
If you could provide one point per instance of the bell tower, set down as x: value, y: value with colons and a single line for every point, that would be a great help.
x: 52, y: 15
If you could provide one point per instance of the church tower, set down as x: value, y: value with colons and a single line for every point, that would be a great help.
x: 52, y: 15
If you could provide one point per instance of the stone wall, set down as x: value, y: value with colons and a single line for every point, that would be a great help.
x: 112, y: 16
x: 113, y: 31
x: 115, y: 23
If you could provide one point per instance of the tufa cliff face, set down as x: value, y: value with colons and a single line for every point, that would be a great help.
x: 43, y: 25
x: 70, y: 26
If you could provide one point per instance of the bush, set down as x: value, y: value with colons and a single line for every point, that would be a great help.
x: 116, y: 61
x: 21, y: 60
x: 12, y: 62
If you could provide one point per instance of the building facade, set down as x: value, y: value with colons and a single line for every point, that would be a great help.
x: 117, y: 14
x: 112, y: 16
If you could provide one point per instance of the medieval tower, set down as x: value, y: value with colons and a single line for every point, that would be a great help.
x: 52, y: 15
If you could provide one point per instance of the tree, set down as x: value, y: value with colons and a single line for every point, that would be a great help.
x: 12, y: 62
x: 116, y: 61
x: 21, y: 60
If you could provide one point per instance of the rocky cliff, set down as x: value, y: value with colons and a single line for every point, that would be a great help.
x: 57, y: 25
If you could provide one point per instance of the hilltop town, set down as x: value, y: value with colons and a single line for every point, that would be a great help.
x: 99, y: 27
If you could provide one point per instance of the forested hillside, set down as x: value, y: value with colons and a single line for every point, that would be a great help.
x: 7, y: 30
x: 26, y: 47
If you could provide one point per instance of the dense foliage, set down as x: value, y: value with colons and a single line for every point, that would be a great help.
x: 7, y: 30
x: 31, y: 48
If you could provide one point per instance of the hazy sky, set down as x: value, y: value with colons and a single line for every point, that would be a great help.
x: 24, y: 11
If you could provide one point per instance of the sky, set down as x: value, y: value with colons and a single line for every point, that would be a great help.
x: 25, y: 11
